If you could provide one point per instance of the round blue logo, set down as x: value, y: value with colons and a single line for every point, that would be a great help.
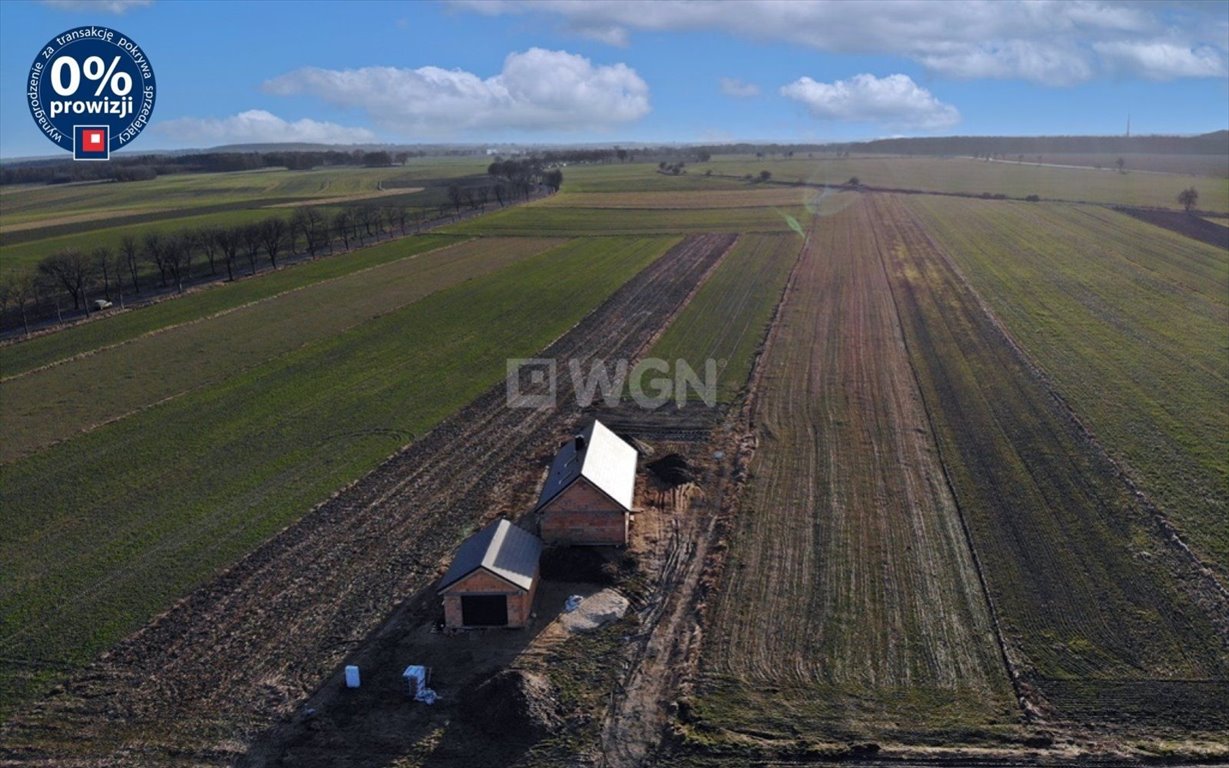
x: 91, y: 91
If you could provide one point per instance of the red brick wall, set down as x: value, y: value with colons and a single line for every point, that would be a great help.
x: 583, y: 515
x: 481, y: 582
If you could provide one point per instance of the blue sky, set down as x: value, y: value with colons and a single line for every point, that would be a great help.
x: 546, y: 71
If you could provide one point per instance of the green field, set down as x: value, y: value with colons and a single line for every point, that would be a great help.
x: 1129, y: 320
x: 552, y: 221
x: 751, y: 197
x: 24, y: 257
x: 638, y: 177
x: 727, y: 318
x: 23, y: 205
x: 103, y: 530
x: 196, y: 305
x: 973, y: 177
x: 1099, y: 613
x: 57, y: 402
x: 38, y: 221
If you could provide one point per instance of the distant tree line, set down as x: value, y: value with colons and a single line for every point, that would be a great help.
x: 161, y: 262
x: 144, y: 167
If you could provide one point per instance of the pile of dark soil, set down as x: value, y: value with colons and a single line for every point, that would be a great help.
x: 515, y: 706
x: 672, y: 469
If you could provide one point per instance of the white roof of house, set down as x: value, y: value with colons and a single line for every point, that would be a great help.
x: 605, y: 460
x: 503, y: 549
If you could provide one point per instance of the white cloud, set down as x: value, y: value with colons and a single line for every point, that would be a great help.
x: 894, y: 101
x: 538, y: 90
x: 732, y: 86
x: 116, y: 7
x: 1055, y: 42
x: 256, y: 126
x: 1161, y: 60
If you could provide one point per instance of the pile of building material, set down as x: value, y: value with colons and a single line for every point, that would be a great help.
x: 595, y: 611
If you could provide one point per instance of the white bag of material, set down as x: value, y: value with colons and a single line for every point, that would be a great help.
x: 416, y: 684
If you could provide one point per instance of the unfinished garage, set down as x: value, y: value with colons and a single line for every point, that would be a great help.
x: 493, y: 579
x: 587, y: 497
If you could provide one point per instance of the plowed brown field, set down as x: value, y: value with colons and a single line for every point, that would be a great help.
x: 850, y: 601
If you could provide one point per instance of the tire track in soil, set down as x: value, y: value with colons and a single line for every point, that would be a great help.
x: 665, y: 653
x: 241, y: 652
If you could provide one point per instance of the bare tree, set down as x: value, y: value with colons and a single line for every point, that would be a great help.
x: 72, y: 269
x: 117, y: 268
x: 251, y: 236
x: 155, y: 253
x: 342, y: 223
x: 208, y: 240
x: 128, y: 247
x: 402, y: 215
x: 309, y: 221
x: 102, y: 261
x: 500, y: 194
x: 273, y: 236
x: 20, y: 288
x: 1188, y: 197
x: 359, y: 223
x: 228, y: 239
x: 177, y: 259
x: 456, y: 197
x: 6, y: 295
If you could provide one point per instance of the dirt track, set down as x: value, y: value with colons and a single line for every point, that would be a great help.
x: 240, y: 654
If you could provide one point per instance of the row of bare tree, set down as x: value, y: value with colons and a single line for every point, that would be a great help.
x: 160, y: 261
x: 175, y: 259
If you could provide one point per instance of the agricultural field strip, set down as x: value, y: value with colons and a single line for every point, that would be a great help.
x: 55, y: 403
x: 639, y: 177
x: 847, y: 536
x: 26, y: 204
x: 971, y: 177
x: 114, y: 525
x: 49, y: 349
x: 395, y: 191
x: 580, y: 222
x: 682, y: 200
x: 282, y: 619
x: 1128, y: 321
x: 1085, y: 583
x: 26, y: 255
x: 728, y: 317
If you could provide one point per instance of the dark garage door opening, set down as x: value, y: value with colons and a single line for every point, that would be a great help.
x: 484, y: 610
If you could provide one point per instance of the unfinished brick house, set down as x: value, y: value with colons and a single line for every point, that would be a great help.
x: 587, y: 498
x: 493, y: 579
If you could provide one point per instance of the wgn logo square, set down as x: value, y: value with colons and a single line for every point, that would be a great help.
x: 531, y: 383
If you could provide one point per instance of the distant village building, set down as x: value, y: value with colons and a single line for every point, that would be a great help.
x: 587, y: 498
x: 493, y: 579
